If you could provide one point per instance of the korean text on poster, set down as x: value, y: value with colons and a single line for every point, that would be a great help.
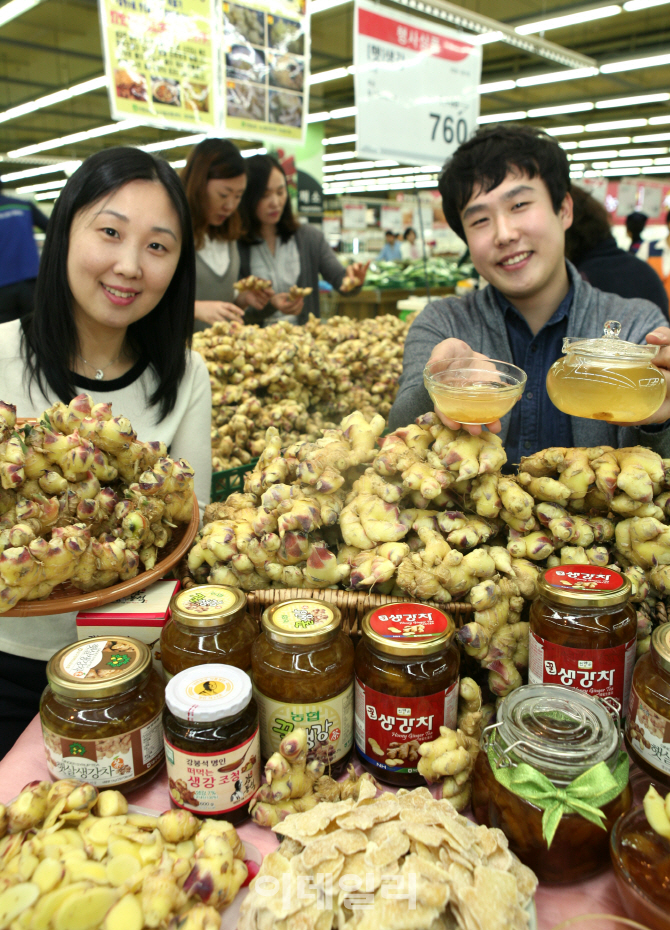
x: 266, y: 68
x: 416, y: 84
x: 159, y: 60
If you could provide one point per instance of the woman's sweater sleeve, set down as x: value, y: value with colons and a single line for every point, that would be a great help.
x: 195, y: 427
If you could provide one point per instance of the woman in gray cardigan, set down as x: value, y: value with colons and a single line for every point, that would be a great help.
x: 276, y: 247
x: 214, y: 179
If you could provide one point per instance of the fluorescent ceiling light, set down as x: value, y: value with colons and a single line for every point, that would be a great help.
x: 350, y: 137
x: 322, y: 76
x: 554, y: 77
x: 15, y: 8
x: 616, y: 124
x: 565, y: 108
x: 496, y: 86
x: 338, y: 156
x: 598, y: 153
x: 623, y: 153
x: 655, y: 137
x: 484, y: 38
x: 569, y: 19
x: 69, y: 167
x: 576, y: 167
x: 388, y: 163
x: 45, y: 186
x: 47, y: 195
x: 567, y: 146
x: 343, y: 112
x: 173, y: 143
x: 318, y: 117
x: 350, y: 166
x: 74, y: 137
x: 501, y: 117
x: 181, y: 163
x: 659, y: 120
x: 601, y: 164
x: 564, y: 130
x: 662, y: 161
x: 594, y: 143
x: 632, y: 101
x: 631, y: 6
x: 247, y: 153
x: 634, y: 163
x: 632, y: 63
x: 615, y: 172
x: 50, y: 99
x: 657, y: 170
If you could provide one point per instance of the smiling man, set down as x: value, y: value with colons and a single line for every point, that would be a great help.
x: 506, y: 192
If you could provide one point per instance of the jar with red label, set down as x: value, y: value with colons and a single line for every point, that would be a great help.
x: 560, y: 734
x: 648, y: 723
x: 406, y: 687
x: 583, y: 632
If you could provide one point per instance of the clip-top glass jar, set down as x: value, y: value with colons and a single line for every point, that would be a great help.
x: 562, y: 734
x: 209, y: 623
x: 406, y: 687
x: 648, y: 724
x: 606, y: 378
x: 303, y: 673
x: 101, y: 713
x: 212, y: 745
x: 583, y: 632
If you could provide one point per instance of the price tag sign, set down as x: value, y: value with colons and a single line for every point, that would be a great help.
x: 416, y: 85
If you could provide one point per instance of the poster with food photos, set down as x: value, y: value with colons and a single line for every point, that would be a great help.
x: 265, y: 52
x: 160, y: 60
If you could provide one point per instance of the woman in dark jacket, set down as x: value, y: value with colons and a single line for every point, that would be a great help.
x: 276, y: 247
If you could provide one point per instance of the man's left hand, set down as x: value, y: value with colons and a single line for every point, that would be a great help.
x: 659, y: 337
x: 357, y: 272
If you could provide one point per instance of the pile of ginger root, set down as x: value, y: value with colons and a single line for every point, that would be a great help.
x: 300, y: 380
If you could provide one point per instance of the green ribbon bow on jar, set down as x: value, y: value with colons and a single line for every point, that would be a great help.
x: 586, y: 795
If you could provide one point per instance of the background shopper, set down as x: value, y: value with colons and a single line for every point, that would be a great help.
x: 19, y: 260
x: 657, y: 255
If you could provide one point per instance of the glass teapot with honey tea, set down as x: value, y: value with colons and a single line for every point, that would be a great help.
x: 606, y: 378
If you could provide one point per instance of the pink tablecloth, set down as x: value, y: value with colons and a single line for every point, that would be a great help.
x: 26, y: 762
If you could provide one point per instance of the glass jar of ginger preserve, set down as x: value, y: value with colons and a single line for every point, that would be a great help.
x: 583, y: 632
x: 546, y: 737
x: 208, y: 623
x: 101, y: 713
x: 303, y: 674
x: 406, y: 688
x: 648, y: 724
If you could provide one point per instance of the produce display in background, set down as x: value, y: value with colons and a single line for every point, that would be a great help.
x: 430, y: 515
x: 300, y: 379
x: 293, y: 785
x: 396, y: 861
x: 71, y: 857
x: 83, y: 500
x: 436, y: 272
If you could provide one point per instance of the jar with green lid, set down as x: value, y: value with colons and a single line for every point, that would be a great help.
x: 407, y: 680
x: 303, y: 673
x: 648, y: 724
x: 208, y: 623
x: 212, y: 744
x: 101, y: 713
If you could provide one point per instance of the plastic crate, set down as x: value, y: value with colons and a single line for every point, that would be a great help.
x: 225, y: 483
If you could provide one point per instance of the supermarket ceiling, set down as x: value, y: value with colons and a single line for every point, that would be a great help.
x: 614, y: 59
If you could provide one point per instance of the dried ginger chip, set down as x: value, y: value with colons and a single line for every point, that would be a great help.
x: 489, y: 839
x: 431, y: 871
x: 385, y: 808
x: 366, y: 790
x: 526, y: 880
x: 449, y: 855
x: 394, y: 847
x: 397, y: 915
x: 425, y: 852
x: 491, y: 903
x: 290, y: 848
x: 381, y: 831
x: 308, y: 824
x: 427, y: 834
x: 419, y: 797
x: 346, y: 842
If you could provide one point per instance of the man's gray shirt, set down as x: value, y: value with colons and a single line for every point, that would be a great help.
x: 478, y: 320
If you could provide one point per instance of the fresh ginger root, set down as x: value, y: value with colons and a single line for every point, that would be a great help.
x: 450, y: 758
x: 657, y: 812
x: 470, y: 708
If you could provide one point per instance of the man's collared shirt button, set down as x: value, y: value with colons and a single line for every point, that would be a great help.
x: 526, y: 445
x: 533, y: 348
x: 529, y: 395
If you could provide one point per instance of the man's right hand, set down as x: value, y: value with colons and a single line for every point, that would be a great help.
x: 453, y: 349
x: 213, y: 311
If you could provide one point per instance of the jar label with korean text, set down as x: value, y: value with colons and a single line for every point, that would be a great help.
x: 584, y: 578
x: 214, y: 782
x: 408, y: 621
x: 329, y: 724
x: 302, y: 616
x: 105, y: 763
x: 390, y: 729
x: 207, y: 602
x: 602, y: 673
x: 649, y: 733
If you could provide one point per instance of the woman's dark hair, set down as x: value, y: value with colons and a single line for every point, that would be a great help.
x: 212, y: 160
x: 635, y: 223
x: 409, y: 230
x: 590, y: 225
x: 485, y: 160
x: 259, y: 169
x: 50, y: 340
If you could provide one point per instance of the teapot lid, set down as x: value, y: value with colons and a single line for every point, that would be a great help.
x: 609, y: 346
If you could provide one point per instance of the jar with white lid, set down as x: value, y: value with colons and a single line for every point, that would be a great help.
x: 212, y: 745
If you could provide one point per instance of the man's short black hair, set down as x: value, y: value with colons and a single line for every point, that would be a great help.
x: 389, y: 232
x: 490, y: 155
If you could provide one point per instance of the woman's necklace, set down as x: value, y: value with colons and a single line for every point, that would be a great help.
x: 100, y: 372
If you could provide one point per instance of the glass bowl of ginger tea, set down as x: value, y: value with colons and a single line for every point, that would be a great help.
x: 607, y: 378
x: 472, y: 390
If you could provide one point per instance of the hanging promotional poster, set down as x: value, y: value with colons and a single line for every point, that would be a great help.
x: 159, y: 58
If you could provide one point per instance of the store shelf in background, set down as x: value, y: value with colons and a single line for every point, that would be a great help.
x: 225, y: 483
x: 374, y: 301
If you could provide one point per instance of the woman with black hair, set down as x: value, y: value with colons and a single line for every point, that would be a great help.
x: 276, y: 247
x: 113, y: 318
x: 214, y: 178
